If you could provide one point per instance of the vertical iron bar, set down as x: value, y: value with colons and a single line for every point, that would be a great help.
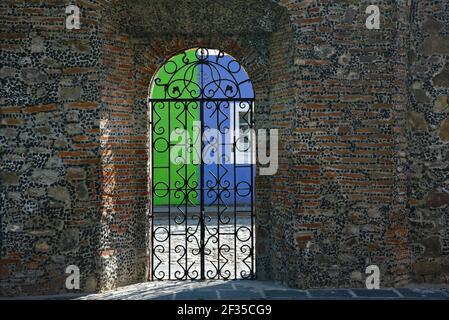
x: 235, y: 188
x: 152, y: 191
x: 186, y: 107
x: 169, y: 191
x: 202, y: 226
x: 251, y: 141
x: 202, y: 234
x: 217, y: 105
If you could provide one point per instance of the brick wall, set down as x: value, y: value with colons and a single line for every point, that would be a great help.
x: 341, y: 172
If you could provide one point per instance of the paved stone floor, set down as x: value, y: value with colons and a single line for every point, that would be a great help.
x: 228, y: 241
x: 249, y: 290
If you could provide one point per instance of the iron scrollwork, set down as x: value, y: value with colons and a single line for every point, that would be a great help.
x: 202, y: 213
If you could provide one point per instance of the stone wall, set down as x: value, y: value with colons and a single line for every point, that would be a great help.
x: 74, y: 146
x: 428, y: 135
x: 50, y: 146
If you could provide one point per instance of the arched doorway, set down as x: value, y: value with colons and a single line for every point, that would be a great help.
x: 202, y: 168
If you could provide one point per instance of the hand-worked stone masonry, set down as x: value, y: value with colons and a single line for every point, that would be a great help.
x: 427, y: 133
x: 362, y: 117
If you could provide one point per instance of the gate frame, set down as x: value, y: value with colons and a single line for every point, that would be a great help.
x: 252, y: 123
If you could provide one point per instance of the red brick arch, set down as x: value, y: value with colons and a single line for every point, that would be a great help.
x: 130, y: 63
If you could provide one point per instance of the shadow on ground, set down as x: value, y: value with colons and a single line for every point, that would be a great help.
x: 247, y: 290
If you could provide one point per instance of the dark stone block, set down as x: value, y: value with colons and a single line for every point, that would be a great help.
x: 437, y: 199
x: 69, y: 240
x: 410, y: 293
x: 431, y: 25
x: 380, y: 293
x: 330, y: 293
x: 165, y: 297
x: 240, y: 294
x: 442, y: 79
x: 197, y: 295
x: 285, y: 294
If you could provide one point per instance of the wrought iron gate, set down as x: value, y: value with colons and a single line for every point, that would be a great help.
x: 202, y: 168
